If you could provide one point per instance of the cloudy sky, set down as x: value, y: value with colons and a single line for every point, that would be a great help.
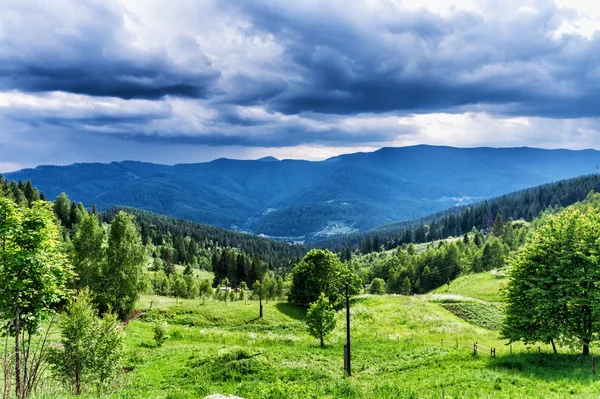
x: 194, y: 80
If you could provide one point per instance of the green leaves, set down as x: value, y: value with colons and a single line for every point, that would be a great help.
x: 33, y: 271
x: 320, y: 318
x: 123, y: 266
x: 321, y: 272
x: 553, y: 294
x: 92, y: 348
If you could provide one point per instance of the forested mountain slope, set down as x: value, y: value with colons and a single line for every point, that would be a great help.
x: 524, y: 204
x: 293, y: 198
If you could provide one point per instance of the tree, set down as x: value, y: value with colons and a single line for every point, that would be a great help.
x: 160, y: 329
x: 88, y: 254
x: 321, y: 271
x: 92, y: 348
x: 269, y: 287
x: 498, y: 227
x: 33, y: 276
x: 406, y: 286
x: 320, y: 318
x: 123, y: 267
x: 377, y: 286
x: 493, y: 255
x: 205, y: 289
x: 552, y: 293
x: 62, y: 209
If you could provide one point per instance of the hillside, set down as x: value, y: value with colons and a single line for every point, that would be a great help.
x: 292, y: 198
x: 403, y: 347
x: 524, y: 204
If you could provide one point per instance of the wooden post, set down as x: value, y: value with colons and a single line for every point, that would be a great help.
x: 151, y: 304
x: 260, y: 299
x: 540, y: 354
x: 345, y: 357
x: 593, y: 364
x: 348, y: 363
x: 475, y: 348
x: 456, y: 343
x: 511, y: 349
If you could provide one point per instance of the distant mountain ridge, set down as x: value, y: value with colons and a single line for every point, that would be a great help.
x: 303, y: 199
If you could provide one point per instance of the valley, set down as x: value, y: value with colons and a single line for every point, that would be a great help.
x: 300, y: 200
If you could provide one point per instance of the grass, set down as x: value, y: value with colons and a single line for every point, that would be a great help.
x: 485, y: 286
x: 403, y: 347
x: 200, y: 273
x: 483, y: 314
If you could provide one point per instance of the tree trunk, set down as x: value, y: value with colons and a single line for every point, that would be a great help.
x: 586, y: 347
x: 553, y: 346
x: 321, y: 336
x: 17, y: 353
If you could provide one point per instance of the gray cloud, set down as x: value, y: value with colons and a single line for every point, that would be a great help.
x: 279, y: 74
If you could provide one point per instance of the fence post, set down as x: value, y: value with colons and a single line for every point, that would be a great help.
x: 511, y: 349
x: 456, y: 343
x: 348, y: 368
x: 151, y: 302
x: 475, y: 348
x: 345, y: 357
x: 491, y: 352
x: 540, y: 354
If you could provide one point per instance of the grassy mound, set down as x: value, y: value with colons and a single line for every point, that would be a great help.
x: 486, y: 286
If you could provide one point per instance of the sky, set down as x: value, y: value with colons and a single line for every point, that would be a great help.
x: 194, y: 80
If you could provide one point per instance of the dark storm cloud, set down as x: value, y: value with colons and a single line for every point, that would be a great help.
x: 422, y: 62
x: 280, y: 73
x: 91, y: 55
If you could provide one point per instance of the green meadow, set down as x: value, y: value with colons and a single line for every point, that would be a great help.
x: 402, y: 347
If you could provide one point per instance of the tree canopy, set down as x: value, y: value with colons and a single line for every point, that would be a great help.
x: 553, y: 292
x: 321, y: 271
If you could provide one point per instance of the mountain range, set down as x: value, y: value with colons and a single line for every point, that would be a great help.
x: 307, y: 200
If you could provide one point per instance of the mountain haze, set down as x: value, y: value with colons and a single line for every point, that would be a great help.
x: 294, y: 198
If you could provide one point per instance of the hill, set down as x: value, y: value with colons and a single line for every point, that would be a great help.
x: 403, y: 347
x: 524, y: 204
x: 301, y: 199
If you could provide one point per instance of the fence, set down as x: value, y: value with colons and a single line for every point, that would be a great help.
x: 476, y: 348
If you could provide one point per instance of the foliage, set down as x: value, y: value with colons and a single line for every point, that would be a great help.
x: 552, y: 294
x: 92, y: 348
x: 525, y: 204
x: 160, y: 329
x: 88, y: 254
x: 33, y: 277
x: 377, y: 286
x: 123, y: 268
x: 321, y: 272
x: 320, y: 318
x: 194, y: 238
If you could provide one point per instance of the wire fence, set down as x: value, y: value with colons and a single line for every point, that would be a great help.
x: 477, y: 348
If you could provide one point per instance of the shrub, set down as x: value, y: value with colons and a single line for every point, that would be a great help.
x: 160, y: 332
x: 320, y: 318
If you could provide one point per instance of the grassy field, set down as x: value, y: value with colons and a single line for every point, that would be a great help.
x: 202, y: 274
x: 403, y: 347
x: 485, y: 286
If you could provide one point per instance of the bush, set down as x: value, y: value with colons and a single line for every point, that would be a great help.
x: 92, y: 347
x: 377, y: 286
x: 160, y: 332
x: 320, y: 318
